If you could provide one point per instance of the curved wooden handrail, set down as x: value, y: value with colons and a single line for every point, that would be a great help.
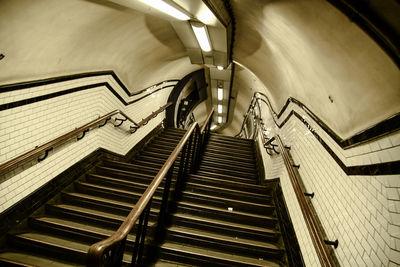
x: 96, y: 251
x: 311, y: 222
x: 39, y: 150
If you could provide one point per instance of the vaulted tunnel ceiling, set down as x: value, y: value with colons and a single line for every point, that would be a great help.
x: 305, y: 49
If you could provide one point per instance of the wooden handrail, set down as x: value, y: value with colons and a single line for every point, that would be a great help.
x: 45, y: 148
x: 203, y: 128
x: 96, y: 251
x: 316, y: 235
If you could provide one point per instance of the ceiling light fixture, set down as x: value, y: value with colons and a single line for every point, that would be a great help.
x: 219, y: 119
x: 200, y: 30
x: 220, y: 67
x: 219, y: 108
x: 166, y: 8
x: 220, y: 93
x: 213, y: 127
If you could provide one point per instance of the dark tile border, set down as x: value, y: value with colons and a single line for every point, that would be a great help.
x: 31, y: 84
x: 382, y: 128
x: 25, y: 207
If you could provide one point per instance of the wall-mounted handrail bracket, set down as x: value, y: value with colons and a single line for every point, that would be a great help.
x: 121, y: 121
x: 288, y: 147
x: 105, y: 122
x: 335, y: 243
x: 46, y: 153
x: 83, y: 135
x: 134, y: 129
x: 296, y: 166
x: 309, y: 194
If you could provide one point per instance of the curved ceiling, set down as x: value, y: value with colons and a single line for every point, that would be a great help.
x: 45, y: 38
x: 309, y: 50
x: 305, y: 49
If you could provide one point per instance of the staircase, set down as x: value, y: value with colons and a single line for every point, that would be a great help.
x: 222, y: 217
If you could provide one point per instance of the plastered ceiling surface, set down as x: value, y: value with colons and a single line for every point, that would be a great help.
x: 309, y: 50
x: 45, y: 38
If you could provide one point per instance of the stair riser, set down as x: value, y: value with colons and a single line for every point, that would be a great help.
x: 227, y: 162
x: 229, y: 185
x: 83, y: 217
x: 131, y: 197
x: 229, y: 152
x: 231, y: 139
x: 226, y: 229
x: 47, y: 249
x: 223, y: 142
x: 238, y: 167
x: 225, y: 177
x: 197, y: 260
x: 223, y: 193
x: 234, y: 158
x: 80, y: 234
x: 224, y: 204
x: 229, y: 171
x: 227, y: 147
x: 126, y: 175
x: 105, y: 206
x: 222, y: 245
x: 227, y: 216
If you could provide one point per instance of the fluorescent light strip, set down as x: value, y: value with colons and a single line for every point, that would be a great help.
x: 166, y: 8
x: 220, y: 93
x: 219, y: 119
x: 220, y: 67
x: 202, y: 37
x: 213, y: 127
x: 219, y: 108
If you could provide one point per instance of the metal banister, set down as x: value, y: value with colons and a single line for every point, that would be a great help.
x: 109, y: 252
x: 45, y: 148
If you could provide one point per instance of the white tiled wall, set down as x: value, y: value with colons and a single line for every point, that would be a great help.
x: 362, y: 212
x: 23, y: 128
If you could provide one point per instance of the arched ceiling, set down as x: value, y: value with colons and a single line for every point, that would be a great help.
x: 305, y: 49
x: 45, y: 38
x: 309, y: 50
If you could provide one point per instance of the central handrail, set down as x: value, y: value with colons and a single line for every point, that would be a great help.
x: 109, y: 252
x: 97, y: 250
x: 47, y: 147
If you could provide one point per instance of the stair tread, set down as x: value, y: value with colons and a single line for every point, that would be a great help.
x: 91, y: 211
x: 209, y: 253
x: 226, y: 190
x: 228, y: 199
x: 187, y: 203
x: 230, y: 181
x: 81, y: 226
x: 222, y: 222
x: 56, y: 241
x: 231, y: 177
x: 28, y: 259
x: 222, y: 237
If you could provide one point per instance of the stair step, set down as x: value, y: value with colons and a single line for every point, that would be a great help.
x: 251, y: 175
x: 222, y: 242
x: 70, y: 228
x: 230, y: 138
x: 228, y: 157
x: 225, y: 203
x: 225, y: 214
x: 238, y: 167
x: 24, y: 258
x: 46, y: 244
x: 225, y: 227
x: 228, y: 193
x: 225, y: 177
x: 206, y: 159
x: 229, y: 151
x: 243, y: 149
x: 229, y: 142
x: 230, y: 184
x: 203, y: 257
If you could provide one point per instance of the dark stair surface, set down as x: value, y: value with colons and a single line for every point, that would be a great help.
x: 222, y: 217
